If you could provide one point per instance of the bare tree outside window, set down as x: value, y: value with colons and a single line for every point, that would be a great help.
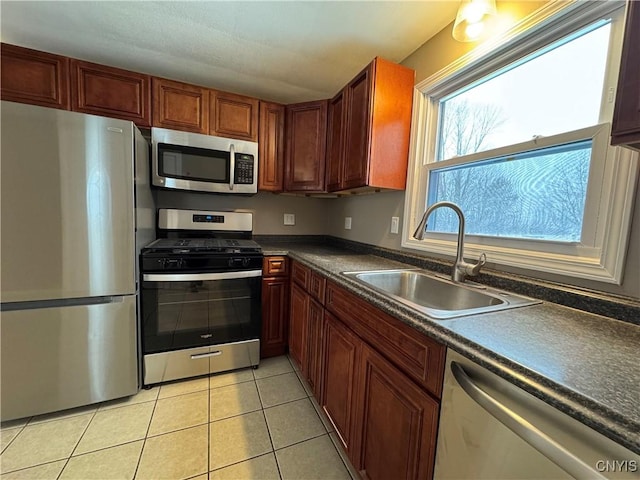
x: 531, y: 195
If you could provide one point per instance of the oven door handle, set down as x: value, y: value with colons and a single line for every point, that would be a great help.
x: 190, y: 277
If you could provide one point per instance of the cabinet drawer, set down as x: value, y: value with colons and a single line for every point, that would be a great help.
x: 317, y: 285
x: 275, y: 266
x: 416, y: 354
x: 301, y: 275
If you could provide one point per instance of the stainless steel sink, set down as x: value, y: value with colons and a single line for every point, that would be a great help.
x: 437, y: 297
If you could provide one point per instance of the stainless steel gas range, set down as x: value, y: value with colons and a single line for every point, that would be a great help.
x: 201, y: 294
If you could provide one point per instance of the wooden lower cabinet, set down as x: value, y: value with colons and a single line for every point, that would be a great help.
x: 275, y: 306
x: 383, y: 402
x: 312, y: 367
x: 341, y: 354
x: 275, y: 303
x: 395, y: 424
x: 298, y: 324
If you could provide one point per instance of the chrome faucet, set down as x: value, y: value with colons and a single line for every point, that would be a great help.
x: 461, y: 269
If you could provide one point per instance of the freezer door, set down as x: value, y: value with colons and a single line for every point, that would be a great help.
x: 67, y: 205
x: 59, y: 358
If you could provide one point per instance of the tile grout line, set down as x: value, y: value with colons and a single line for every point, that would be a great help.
x: 32, y: 466
x: 209, y: 406
x: 68, y: 459
x: 144, y: 440
x: 273, y: 447
x: 14, y: 438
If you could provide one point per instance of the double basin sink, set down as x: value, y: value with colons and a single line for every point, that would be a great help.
x: 439, y: 298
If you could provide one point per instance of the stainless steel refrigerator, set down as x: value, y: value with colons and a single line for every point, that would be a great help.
x: 76, y: 209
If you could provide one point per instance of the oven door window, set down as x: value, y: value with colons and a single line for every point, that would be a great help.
x: 191, y: 313
x: 191, y: 163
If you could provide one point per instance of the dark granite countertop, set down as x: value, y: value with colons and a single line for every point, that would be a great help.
x: 585, y: 365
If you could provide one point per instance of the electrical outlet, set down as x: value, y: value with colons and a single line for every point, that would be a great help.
x: 347, y: 223
x: 395, y: 221
x: 289, y: 219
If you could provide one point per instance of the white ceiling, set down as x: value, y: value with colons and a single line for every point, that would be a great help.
x: 281, y: 51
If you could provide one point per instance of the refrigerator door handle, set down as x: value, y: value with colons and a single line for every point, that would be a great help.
x: 65, y: 302
x: 525, y: 430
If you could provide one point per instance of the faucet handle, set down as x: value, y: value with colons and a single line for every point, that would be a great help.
x: 473, y: 270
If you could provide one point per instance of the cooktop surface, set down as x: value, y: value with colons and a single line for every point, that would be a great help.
x: 187, y: 245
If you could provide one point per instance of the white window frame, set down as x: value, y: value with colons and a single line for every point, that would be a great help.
x: 601, y: 253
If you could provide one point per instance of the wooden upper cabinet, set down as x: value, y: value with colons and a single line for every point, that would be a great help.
x: 180, y: 106
x: 30, y: 76
x: 356, y: 145
x: 335, y: 141
x: 233, y: 116
x: 306, y: 127
x: 271, y: 147
x: 377, y: 128
x: 111, y: 92
x: 625, y: 129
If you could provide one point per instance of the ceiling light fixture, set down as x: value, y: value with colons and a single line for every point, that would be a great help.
x: 473, y: 20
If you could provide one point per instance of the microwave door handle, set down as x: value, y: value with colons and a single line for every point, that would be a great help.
x: 232, y: 165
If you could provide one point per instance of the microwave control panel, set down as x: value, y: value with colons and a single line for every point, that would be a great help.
x: 244, y: 169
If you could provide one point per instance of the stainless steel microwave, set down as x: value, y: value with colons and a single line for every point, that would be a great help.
x: 204, y: 163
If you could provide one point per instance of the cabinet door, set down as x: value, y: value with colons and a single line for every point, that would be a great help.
x: 111, y: 92
x: 357, y: 131
x: 396, y: 423
x: 341, y: 352
x: 313, y: 370
x: 275, y: 309
x: 271, y: 147
x: 306, y: 132
x: 335, y: 141
x: 234, y: 116
x: 180, y: 106
x: 38, y: 78
x: 298, y: 325
x: 626, y: 118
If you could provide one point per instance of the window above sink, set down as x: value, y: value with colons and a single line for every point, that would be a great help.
x: 518, y: 136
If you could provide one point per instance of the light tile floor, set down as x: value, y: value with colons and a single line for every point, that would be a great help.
x: 248, y: 424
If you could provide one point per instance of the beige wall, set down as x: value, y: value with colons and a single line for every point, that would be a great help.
x: 372, y: 213
x: 442, y: 50
x: 268, y: 210
x: 371, y: 218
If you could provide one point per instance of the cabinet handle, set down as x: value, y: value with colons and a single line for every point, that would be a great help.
x: 205, y: 355
x: 525, y: 430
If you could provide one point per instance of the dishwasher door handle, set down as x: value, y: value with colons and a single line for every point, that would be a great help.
x: 525, y: 430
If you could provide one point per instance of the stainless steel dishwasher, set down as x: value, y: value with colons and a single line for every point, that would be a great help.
x: 491, y: 429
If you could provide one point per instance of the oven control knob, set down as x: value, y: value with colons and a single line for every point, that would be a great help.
x: 245, y: 262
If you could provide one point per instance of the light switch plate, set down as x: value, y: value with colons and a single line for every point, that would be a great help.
x: 395, y: 222
x: 289, y: 219
x: 347, y: 223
